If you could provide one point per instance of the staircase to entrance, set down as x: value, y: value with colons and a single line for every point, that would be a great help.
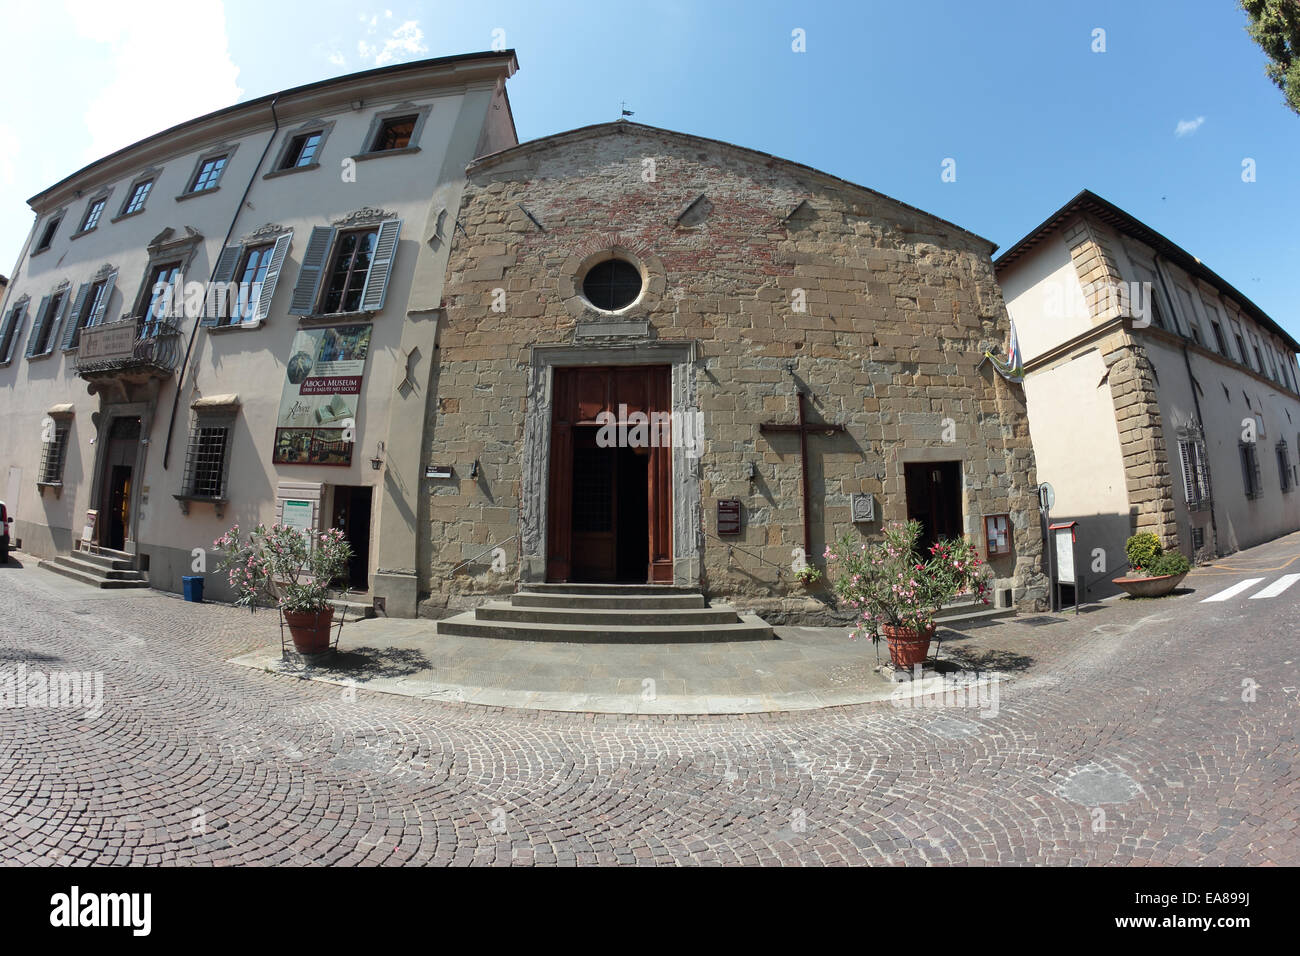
x: 608, y: 614
x: 100, y: 567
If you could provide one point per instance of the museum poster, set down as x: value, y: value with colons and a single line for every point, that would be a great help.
x: 322, y: 389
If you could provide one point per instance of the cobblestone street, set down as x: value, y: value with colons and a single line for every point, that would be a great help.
x: 1127, y: 742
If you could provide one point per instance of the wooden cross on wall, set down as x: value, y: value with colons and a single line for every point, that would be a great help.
x: 803, y: 427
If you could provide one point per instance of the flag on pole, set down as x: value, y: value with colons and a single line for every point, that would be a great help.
x: 1012, y: 369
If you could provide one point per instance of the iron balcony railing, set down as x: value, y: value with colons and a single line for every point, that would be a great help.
x: 132, y: 344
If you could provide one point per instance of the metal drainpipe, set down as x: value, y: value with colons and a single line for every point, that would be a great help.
x: 1196, y: 403
x: 176, y: 401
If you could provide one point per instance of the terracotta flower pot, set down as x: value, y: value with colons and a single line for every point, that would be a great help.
x: 310, y: 630
x: 1150, y: 586
x: 907, y: 646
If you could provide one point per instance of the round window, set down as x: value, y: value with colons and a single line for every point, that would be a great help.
x: 612, y: 285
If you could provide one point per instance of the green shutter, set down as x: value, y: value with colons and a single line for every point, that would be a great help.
x: 42, y: 316
x: 5, y: 327
x: 97, y: 317
x: 278, y: 255
x: 75, y: 317
x: 227, y: 263
x: 381, y: 264
x: 311, y: 270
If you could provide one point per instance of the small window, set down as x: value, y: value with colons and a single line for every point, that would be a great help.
x: 206, y: 458
x: 54, y: 450
x: 346, y: 279
x: 394, y: 133
x: 1250, y: 475
x: 612, y: 285
x: 159, y: 292
x: 135, y: 202
x: 208, y: 175
x: 1218, y: 337
x: 1241, y: 349
x: 47, y: 236
x: 44, y: 342
x: 1284, y: 466
x: 250, y: 275
x: 302, y: 150
x: 93, y: 212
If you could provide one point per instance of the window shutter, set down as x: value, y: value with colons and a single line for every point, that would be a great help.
x: 42, y: 316
x: 381, y: 264
x: 1203, y: 472
x: 74, y: 317
x: 5, y: 326
x: 17, y: 314
x: 1189, y: 481
x: 100, y: 310
x: 278, y: 255
x: 311, y: 270
x: 224, y: 273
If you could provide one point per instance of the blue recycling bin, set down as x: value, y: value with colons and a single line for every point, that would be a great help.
x: 193, y: 585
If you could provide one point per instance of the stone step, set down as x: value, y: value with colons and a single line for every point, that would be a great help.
x: 95, y: 580
x: 354, y: 609
x: 608, y: 589
x: 953, y: 615
x: 678, y: 617
x: 638, y: 601
x: 749, y: 627
x: 110, y: 561
x: 100, y: 569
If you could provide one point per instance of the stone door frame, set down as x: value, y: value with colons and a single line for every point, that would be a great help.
x: 535, y: 472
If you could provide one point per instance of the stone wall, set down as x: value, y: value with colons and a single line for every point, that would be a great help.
x: 897, y: 310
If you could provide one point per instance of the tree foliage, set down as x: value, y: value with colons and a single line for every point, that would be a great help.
x: 1275, y: 26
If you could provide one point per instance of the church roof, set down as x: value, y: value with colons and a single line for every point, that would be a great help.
x: 623, y: 126
x: 1090, y: 204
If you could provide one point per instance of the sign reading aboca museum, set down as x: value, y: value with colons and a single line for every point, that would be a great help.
x: 322, y: 389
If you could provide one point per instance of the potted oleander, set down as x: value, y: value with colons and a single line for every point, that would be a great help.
x: 292, y: 569
x: 1153, y: 572
x: 897, y: 591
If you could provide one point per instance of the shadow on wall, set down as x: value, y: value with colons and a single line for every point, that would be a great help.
x: 1100, y: 551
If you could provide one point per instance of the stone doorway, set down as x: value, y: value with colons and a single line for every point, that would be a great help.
x: 116, y: 503
x: 610, y: 514
x: 934, y: 499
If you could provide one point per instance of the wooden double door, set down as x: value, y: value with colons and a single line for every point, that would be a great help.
x: 610, y: 489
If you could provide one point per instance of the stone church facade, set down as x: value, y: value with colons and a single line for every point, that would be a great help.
x: 622, y: 269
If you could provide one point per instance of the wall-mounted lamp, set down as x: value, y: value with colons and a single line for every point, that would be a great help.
x: 377, y: 462
x: 473, y: 472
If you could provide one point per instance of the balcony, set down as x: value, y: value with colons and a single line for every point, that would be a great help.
x: 131, y: 350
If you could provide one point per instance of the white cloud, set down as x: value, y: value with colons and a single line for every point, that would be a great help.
x: 1188, y: 127
x: 336, y: 58
x: 404, y: 42
x: 165, y: 63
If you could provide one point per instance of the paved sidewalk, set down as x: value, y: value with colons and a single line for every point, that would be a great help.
x: 805, y: 669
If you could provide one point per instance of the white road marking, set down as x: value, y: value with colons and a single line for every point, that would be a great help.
x: 1234, y: 590
x: 1277, y: 587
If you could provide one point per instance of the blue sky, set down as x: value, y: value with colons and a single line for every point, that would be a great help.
x: 885, y: 92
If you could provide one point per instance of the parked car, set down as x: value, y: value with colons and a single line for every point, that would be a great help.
x: 4, y: 533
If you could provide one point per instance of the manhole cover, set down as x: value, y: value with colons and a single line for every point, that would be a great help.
x: 1092, y: 785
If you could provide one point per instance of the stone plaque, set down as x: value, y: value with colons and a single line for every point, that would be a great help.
x: 729, y: 516
x: 864, y: 508
x: 107, y: 342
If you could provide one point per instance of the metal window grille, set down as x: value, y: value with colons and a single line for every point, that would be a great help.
x: 1198, y: 539
x: 205, y: 460
x: 53, y: 453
